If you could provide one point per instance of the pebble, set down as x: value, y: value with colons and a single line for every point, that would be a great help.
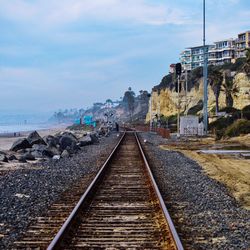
x: 206, y: 216
x: 27, y: 193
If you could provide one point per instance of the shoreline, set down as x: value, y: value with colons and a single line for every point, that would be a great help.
x: 6, y: 139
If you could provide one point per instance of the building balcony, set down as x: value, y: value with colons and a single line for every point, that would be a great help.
x: 212, y: 59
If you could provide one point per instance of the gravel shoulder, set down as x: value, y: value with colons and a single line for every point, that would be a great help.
x: 205, y: 214
x: 28, y: 192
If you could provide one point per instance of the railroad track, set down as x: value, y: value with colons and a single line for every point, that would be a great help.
x: 121, y: 209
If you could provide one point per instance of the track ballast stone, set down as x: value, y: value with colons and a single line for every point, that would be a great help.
x: 27, y: 193
x: 205, y: 214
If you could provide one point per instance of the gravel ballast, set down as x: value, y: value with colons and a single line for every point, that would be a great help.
x: 28, y: 192
x: 205, y: 214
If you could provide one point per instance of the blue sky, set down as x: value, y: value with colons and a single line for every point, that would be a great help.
x: 70, y: 53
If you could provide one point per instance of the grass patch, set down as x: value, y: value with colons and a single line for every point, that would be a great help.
x: 239, y: 127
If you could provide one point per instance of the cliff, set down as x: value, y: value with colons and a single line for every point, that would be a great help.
x: 165, y: 99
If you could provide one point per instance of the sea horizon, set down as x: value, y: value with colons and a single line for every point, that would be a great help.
x: 17, y: 123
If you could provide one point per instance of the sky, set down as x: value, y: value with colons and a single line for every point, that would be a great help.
x: 57, y: 54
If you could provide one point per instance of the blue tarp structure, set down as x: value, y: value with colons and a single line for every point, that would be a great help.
x: 77, y: 121
x: 87, y: 120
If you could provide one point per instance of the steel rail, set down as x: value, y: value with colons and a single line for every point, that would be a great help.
x: 56, y: 241
x: 55, y: 244
x: 162, y: 203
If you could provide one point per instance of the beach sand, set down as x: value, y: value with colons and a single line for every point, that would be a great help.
x: 6, y: 142
x: 233, y: 171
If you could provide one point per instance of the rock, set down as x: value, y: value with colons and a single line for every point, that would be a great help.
x: 29, y: 157
x: 38, y: 149
x: 50, y: 151
x: 85, y: 140
x: 22, y: 159
x: 94, y: 138
x: 51, y: 140
x: 56, y: 157
x: 12, y: 158
x: 68, y: 141
x: 65, y: 154
x: 3, y: 157
x: 69, y: 134
x: 21, y: 151
x: 35, y: 138
x: 20, y: 144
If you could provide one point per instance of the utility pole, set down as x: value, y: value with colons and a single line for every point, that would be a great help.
x: 178, y: 115
x: 205, y: 114
x: 178, y: 70
x: 186, y: 87
x: 150, y: 113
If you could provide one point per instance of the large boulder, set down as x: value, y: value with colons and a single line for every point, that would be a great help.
x: 20, y: 144
x: 22, y: 159
x: 12, y: 157
x: 69, y: 134
x: 3, y: 157
x: 29, y: 157
x: 37, y: 147
x: 50, y: 151
x: 51, y: 140
x: 35, y: 138
x: 85, y: 140
x: 68, y: 142
x: 94, y: 137
x: 37, y: 150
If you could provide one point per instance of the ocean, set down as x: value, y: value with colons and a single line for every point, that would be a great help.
x: 15, y: 123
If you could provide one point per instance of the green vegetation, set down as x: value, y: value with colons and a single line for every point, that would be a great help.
x: 195, y: 109
x: 230, y: 89
x: 232, y: 66
x: 235, y: 123
x: 246, y: 112
x: 215, y: 78
x: 246, y: 65
x: 166, y: 82
x: 129, y: 100
x: 76, y: 127
x: 240, y: 126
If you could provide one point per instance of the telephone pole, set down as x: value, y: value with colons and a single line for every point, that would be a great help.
x: 205, y: 114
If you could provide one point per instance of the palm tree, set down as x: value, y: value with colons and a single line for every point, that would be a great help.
x: 230, y: 89
x: 246, y: 65
x: 215, y: 77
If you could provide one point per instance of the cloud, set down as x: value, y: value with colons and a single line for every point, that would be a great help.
x: 54, y: 12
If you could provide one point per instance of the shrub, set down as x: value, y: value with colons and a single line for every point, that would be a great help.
x: 195, y: 109
x: 229, y: 110
x: 221, y: 123
x: 246, y: 112
x: 240, y: 126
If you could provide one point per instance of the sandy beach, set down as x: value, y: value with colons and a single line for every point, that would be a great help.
x: 6, y: 142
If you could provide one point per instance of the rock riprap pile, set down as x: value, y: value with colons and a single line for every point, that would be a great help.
x: 26, y: 193
x: 64, y: 144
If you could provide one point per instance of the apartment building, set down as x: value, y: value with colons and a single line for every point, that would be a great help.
x: 222, y: 52
x: 186, y: 59
x: 242, y: 42
x: 192, y: 57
